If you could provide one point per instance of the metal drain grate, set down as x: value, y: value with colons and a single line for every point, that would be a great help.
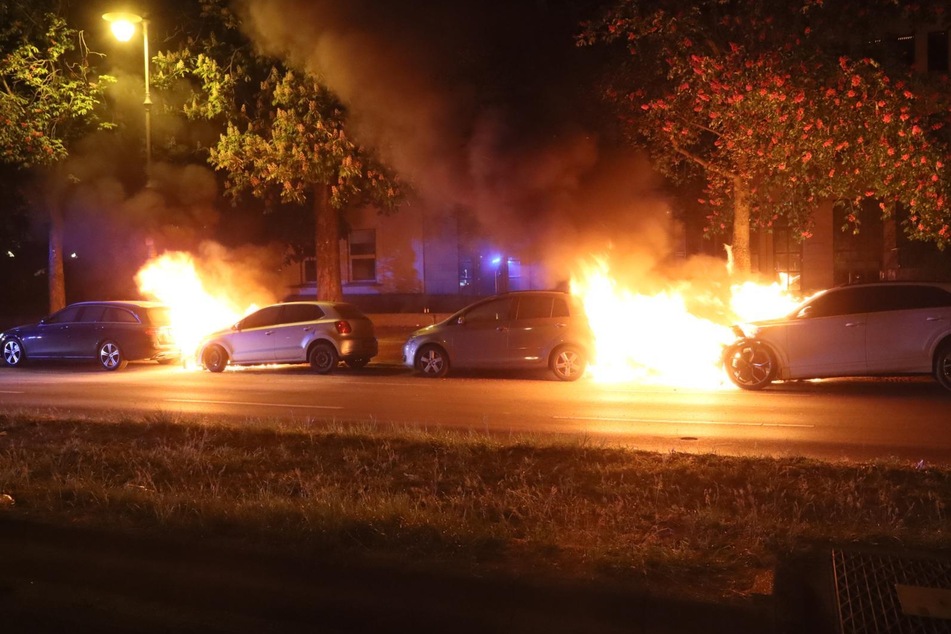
x: 867, y: 594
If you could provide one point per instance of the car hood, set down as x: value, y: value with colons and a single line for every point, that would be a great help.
x: 425, y: 330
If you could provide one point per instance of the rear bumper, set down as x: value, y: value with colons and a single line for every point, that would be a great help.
x: 359, y: 348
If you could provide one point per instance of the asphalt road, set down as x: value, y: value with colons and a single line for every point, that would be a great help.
x: 907, y: 419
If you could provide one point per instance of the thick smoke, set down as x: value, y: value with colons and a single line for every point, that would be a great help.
x: 483, y: 106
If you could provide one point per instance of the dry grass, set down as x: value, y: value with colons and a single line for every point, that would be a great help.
x: 517, y: 505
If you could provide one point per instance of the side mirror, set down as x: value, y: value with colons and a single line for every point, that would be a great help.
x: 804, y: 313
x: 461, y: 320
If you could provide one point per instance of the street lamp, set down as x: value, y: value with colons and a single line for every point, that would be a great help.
x: 123, y: 27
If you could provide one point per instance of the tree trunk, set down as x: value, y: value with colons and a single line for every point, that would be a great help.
x: 742, y: 263
x: 328, y: 246
x: 55, y: 271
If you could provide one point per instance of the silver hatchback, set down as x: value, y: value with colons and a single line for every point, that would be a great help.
x: 518, y: 330
x: 319, y: 333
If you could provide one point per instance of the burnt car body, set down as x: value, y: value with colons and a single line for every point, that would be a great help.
x: 110, y: 332
x: 877, y: 329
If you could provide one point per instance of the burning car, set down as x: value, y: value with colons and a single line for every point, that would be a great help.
x: 518, y: 330
x: 319, y: 333
x: 111, y: 332
x: 879, y: 329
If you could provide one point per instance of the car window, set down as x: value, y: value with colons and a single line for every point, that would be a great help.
x: 114, y: 314
x: 490, y: 311
x: 92, y: 314
x: 296, y: 313
x: 65, y: 316
x: 560, y: 308
x: 845, y: 301
x: 912, y: 297
x: 267, y: 316
x: 533, y: 307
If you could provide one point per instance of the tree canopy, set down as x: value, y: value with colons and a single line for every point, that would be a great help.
x: 779, y: 106
x: 49, y: 98
x: 285, y: 134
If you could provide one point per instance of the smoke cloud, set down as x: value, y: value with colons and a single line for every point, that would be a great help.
x: 485, y: 107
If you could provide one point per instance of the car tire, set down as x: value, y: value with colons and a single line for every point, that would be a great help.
x: 358, y: 363
x: 110, y: 356
x: 13, y: 353
x: 214, y: 358
x: 942, y: 365
x: 323, y: 358
x: 567, y: 363
x: 750, y: 365
x: 432, y: 362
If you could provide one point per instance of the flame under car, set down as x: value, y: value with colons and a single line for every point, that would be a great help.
x: 319, y: 333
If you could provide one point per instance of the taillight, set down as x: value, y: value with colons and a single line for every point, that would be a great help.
x: 343, y: 327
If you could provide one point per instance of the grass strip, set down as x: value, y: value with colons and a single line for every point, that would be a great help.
x: 522, y: 505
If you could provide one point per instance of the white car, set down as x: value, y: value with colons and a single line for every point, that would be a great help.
x: 878, y: 329
x: 319, y: 333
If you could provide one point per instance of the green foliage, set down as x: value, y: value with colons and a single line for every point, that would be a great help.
x: 284, y: 133
x: 49, y: 95
x: 769, y: 95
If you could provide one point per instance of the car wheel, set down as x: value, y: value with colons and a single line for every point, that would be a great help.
x: 356, y: 364
x: 432, y: 362
x: 750, y: 366
x: 13, y: 353
x: 323, y: 358
x: 942, y: 365
x: 567, y: 363
x: 110, y: 356
x: 214, y: 358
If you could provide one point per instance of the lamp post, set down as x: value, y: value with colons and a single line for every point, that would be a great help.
x: 123, y: 27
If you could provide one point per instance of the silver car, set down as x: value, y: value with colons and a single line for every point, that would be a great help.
x: 319, y: 333
x: 518, y: 330
x: 882, y: 329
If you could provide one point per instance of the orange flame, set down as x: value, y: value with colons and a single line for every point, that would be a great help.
x: 674, y: 337
x: 196, y: 311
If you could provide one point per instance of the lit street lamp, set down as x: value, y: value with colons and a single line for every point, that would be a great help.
x: 123, y: 27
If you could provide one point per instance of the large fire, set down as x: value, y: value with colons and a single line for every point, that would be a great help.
x: 198, y: 307
x: 673, y: 337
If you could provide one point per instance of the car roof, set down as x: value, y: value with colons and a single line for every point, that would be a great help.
x: 127, y: 303
x: 895, y: 283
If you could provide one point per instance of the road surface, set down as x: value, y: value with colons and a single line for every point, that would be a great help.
x: 907, y: 419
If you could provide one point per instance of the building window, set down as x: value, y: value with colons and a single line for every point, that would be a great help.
x: 938, y: 51
x: 787, y: 258
x: 308, y: 268
x: 857, y: 256
x: 362, y: 245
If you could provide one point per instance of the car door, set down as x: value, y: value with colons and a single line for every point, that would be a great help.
x: 295, y: 332
x: 50, y: 338
x: 827, y: 337
x: 534, y: 327
x: 481, y: 337
x: 253, y: 339
x: 901, y: 334
x: 84, y: 333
